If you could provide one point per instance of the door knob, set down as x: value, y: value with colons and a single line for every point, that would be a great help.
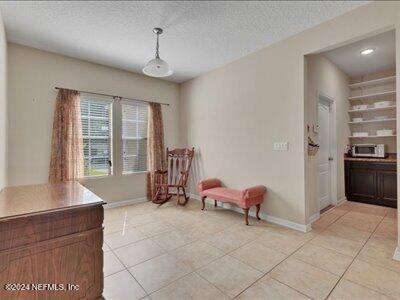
x: 330, y: 158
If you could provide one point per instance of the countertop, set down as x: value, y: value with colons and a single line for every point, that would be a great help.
x: 33, y: 199
x: 391, y: 158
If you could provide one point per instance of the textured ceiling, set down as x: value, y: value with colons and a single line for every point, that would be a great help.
x: 199, y: 35
x: 349, y: 59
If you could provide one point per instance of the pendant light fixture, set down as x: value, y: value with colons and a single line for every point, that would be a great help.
x: 157, y: 67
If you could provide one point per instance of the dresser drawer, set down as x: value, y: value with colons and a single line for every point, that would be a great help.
x: 24, y: 230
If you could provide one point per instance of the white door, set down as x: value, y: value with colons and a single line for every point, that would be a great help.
x: 324, y: 168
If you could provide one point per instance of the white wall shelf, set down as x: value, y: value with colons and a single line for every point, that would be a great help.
x: 374, y: 121
x: 379, y: 81
x: 372, y: 109
x: 371, y: 136
x: 361, y: 97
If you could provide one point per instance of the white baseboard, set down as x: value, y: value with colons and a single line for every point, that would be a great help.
x: 396, y: 255
x: 125, y: 202
x: 341, y: 201
x: 317, y: 215
x: 263, y: 216
x: 314, y: 217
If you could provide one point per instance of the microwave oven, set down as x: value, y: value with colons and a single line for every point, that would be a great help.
x: 368, y: 150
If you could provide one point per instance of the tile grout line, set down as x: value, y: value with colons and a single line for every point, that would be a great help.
x: 168, y: 252
x: 327, y: 227
x: 358, y: 253
x: 195, y: 270
x: 146, y: 236
x: 374, y: 265
x: 228, y: 253
x: 267, y: 273
x: 225, y: 254
x: 290, y: 255
x: 223, y: 293
x: 126, y: 269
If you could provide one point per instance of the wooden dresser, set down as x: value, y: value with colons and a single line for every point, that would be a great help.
x: 51, y: 239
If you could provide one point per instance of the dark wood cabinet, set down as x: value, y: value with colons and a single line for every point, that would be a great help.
x: 371, y: 182
x: 51, y: 239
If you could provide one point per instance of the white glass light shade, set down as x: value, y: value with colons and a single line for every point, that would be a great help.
x: 157, y: 68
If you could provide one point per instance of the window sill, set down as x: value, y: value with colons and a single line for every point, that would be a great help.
x: 134, y: 173
x: 96, y: 177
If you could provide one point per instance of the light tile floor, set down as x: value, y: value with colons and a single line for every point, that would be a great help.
x: 175, y: 252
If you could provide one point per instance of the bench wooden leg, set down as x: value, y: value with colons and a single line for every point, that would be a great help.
x: 215, y: 203
x: 246, y: 215
x: 203, y: 200
x: 258, y: 210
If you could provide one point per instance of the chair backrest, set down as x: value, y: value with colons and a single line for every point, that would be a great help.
x: 179, y: 162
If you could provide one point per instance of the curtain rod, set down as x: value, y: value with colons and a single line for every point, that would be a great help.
x: 114, y: 96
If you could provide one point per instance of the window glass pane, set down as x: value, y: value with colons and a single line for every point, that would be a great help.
x: 142, y: 130
x: 129, y: 128
x: 99, y: 128
x: 130, y: 164
x: 100, y: 147
x: 129, y: 112
x: 85, y: 126
x: 142, y: 163
x: 84, y: 108
x: 86, y: 147
x: 130, y: 147
x: 142, y: 147
x: 134, y: 137
x: 99, y: 166
x: 96, y: 130
x: 142, y: 113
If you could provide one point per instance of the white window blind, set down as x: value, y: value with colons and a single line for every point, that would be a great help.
x: 96, y: 130
x: 134, y: 136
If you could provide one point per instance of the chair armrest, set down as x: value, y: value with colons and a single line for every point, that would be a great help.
x: 208, y: 184
x: 255, y: 191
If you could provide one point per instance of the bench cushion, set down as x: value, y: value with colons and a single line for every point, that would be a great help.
x: 252, y: 196
x: 223, y: 194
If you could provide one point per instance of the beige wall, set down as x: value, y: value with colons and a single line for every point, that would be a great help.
x: 233, y: 114
x: 3, y: 107
x: 325, y: 78
x: 33, y: 74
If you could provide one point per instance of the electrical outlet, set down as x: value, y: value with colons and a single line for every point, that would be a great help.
x: 281, y: 146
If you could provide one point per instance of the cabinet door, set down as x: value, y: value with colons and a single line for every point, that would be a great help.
x: 363, y: 183
x: 387, y: 188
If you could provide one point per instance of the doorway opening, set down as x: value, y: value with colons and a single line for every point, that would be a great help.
x: 351, y: 105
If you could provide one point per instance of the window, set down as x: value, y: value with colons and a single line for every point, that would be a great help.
x: 134, y: 136
x: 96, y: 130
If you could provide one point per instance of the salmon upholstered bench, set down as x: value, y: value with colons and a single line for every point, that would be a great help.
x: 245, y: 199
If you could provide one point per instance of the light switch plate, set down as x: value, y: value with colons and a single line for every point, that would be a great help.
x: 281, y: 146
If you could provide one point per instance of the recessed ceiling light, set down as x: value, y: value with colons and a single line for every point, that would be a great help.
x: 367, y: 51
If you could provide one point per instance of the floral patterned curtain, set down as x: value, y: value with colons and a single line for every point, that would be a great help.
x: 155, y: 146
x: 67, y: 142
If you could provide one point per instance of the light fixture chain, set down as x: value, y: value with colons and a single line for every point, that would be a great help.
x: 157, y: 67
x: 157, y: 47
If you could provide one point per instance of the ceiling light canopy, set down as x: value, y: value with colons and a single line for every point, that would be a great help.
x: 367, y: 51
x: 157, y: 67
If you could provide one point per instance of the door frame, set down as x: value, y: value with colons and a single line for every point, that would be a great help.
x: 326, y: 99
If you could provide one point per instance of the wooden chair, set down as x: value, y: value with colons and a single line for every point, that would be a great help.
x: 175, y: 177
